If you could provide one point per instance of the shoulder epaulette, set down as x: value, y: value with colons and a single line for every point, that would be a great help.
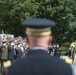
x: 68, y: 61
x: 7, y: 64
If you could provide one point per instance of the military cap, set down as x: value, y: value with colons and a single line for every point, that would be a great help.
x: 38, y: 26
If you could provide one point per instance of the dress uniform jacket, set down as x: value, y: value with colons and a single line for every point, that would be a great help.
x: 57, y: 52
x: 39, y: 62
x: 18, y: 53
x: 11, y: 52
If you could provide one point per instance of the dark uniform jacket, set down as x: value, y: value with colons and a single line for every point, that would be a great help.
x: 18, y: 53
x: 39, y: 62
x: 10, y: 52
x: 57, y: 52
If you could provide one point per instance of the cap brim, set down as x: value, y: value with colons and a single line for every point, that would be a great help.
x: 38, y: 23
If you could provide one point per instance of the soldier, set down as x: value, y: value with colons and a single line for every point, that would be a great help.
x: 11, y: 51
x: 57, y: 51
x: 4, y: 54
x: 18, y: 51
x: 38, y: 61
x: 50, y: 48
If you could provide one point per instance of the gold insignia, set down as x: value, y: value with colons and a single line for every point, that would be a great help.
x: 68, y: 60
x: 7, y: 64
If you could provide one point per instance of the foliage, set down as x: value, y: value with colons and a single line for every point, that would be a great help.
x: 13, y: 12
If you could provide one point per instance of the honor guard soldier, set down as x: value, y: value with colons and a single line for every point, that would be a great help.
x: 38, y: 61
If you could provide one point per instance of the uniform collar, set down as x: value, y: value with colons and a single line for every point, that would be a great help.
x: 37, y: 47
x: 37, y: 50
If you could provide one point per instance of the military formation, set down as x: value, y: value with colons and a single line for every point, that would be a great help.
x: 12, y: 49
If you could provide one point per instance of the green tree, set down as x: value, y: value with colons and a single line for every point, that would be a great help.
x: 13, y: 12
x: 63, y: 13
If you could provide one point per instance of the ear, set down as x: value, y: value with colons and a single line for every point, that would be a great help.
x: 50, y: 39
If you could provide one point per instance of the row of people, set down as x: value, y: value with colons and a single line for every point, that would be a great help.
x: 12, y: 50
x: 54, y: 50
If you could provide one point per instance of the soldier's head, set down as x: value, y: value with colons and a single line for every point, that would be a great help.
x: 38, y: 31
